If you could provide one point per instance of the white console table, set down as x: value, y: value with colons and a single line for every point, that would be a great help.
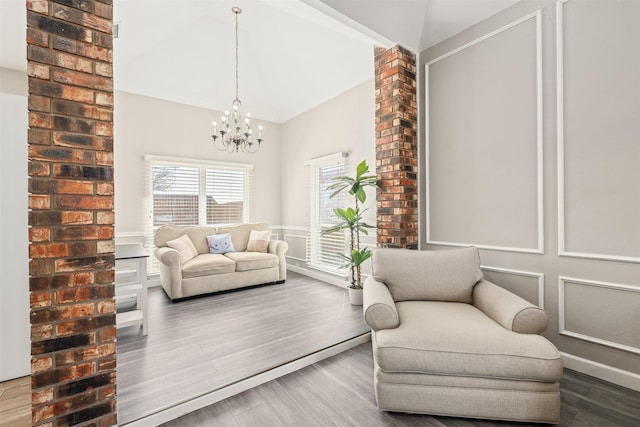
x: 131, y: 285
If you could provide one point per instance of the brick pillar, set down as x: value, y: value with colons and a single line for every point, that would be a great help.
x: 71, y: 249
x: 396, y: 148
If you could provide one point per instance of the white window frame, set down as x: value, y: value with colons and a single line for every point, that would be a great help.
x: 322, y: 250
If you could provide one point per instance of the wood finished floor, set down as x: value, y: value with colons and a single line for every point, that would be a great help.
x: 200, y: 345
x: 15, y: 402
x: 339, y: 392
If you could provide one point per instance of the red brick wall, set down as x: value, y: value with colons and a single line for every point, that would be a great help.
x: 71, y: 249
x: 396, y: 148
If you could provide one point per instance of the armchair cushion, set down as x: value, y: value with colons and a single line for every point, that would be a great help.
x: 379, y: 309
x: 428, y: 275
x: 509, y: 310
x: 458, y: 339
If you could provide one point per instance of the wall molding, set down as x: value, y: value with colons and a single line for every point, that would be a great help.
x: 306, y: 244
x: 561, y: 152
x: 561, y: 311
x: 537, y: 16
x: 608, y: 373
x: 538, y: 276
x: 126, y: 234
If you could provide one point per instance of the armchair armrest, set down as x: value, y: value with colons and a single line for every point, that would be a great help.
x: 279, y: 247
x: 379, y: 309
x: 508, y: 309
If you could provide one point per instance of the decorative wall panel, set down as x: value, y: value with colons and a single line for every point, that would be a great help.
x: 599, y: 130
x: 297, y: 247
x: 604, y: 313
x: 484, y: 141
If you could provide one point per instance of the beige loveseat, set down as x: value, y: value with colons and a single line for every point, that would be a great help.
x: 203, y: 272
x: 447, y: 342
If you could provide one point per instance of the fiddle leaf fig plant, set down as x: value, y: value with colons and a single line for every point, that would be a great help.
x: 350, y: 218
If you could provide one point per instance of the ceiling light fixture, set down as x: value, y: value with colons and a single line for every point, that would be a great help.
x: 235, y: 130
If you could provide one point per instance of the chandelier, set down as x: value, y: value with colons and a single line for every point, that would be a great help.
x: 235, y: 132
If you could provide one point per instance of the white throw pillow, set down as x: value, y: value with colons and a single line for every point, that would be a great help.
x: 184, y: 245
x: 258, y: 241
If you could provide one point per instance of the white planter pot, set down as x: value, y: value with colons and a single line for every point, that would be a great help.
x: 355, y: 296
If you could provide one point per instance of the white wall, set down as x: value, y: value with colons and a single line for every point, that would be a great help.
x: 144, y: 125
x: 345, y: 123
x: 559, y: 216
x: 15, y: 343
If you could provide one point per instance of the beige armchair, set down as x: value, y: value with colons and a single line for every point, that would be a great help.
x: 447, y: 342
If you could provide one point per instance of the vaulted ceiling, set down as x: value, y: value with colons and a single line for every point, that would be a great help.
x: 294, y: 54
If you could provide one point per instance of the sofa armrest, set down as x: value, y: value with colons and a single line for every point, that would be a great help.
x: 379, y: 309
x: 279, y: 247
x: 168, y: 256
x: 170, y: 271
x: 508, y: 309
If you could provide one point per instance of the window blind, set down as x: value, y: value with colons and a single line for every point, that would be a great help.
x: 324, y: 249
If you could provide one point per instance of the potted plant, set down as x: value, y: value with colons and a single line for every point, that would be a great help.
x: 351, y: 219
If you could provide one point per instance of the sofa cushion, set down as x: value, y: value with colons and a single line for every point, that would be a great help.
x: 246, y: 261
x: 220, y: 243
x: 198, y: 235
x: 442, y: 275
x: 240, y: 234
x: 258, y: 240
x: 206, y: 265
x: 184, y: 246
x: 458, y: 339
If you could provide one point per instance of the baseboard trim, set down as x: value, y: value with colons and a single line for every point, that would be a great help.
x: 169, y: 413
x: 316, y: 274
x: 604, y: 372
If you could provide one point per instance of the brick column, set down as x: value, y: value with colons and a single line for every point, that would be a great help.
x: 71, y: 249
x: 396, y: 148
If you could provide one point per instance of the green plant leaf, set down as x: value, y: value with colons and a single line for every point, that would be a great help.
x: 361, y: 169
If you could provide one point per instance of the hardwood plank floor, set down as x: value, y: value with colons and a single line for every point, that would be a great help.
x: 15, y: 402
x: 200, y: 345
x: 339, y: 392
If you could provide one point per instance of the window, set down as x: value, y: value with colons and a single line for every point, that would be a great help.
x: 193, y: 192
x: 187, y: 193
x: 323, y: 250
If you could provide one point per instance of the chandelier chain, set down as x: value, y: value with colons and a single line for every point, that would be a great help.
x: 237, y: 74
